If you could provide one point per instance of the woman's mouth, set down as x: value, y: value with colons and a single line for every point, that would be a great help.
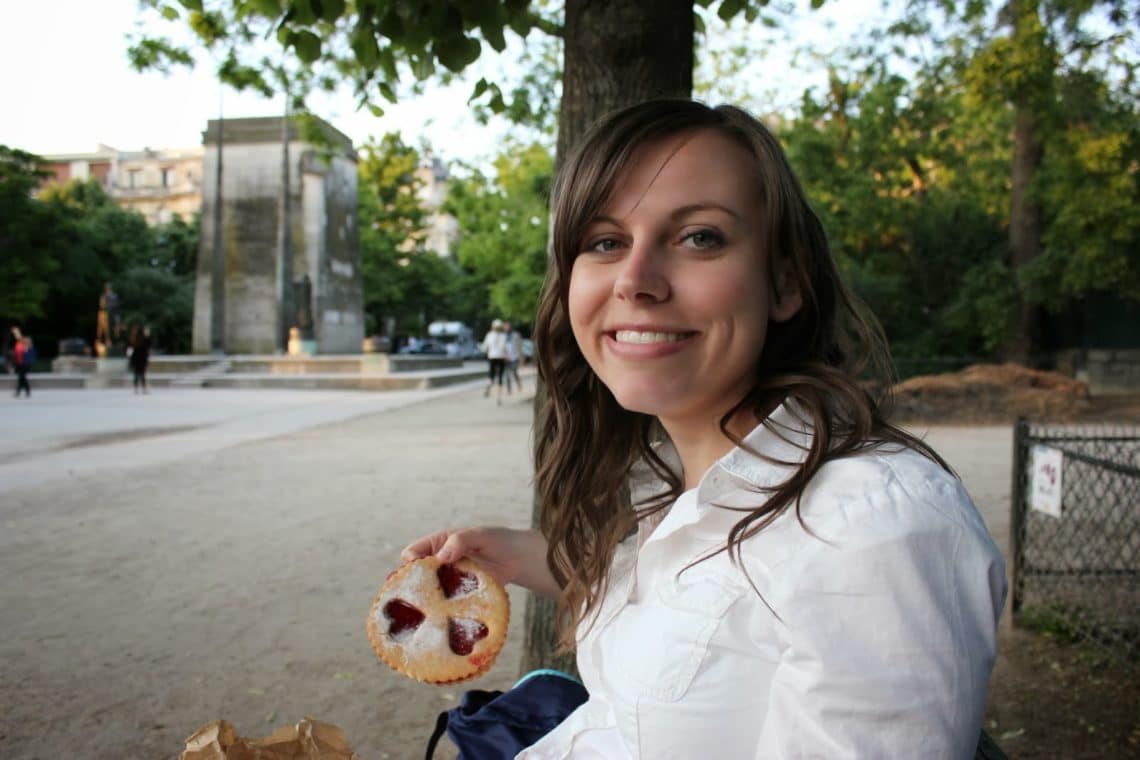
x: 642, y: 337
x: 648, y: 344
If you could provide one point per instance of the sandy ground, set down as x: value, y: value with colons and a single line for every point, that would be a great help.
x: 233, y: 580
x: 141, y: 603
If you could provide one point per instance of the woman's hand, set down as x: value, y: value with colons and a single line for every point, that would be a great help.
x: 511, y: 556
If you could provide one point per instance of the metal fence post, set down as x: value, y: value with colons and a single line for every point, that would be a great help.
x: 1017, y: 512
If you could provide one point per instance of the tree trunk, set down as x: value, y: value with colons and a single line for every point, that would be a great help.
x: 620, y: 52
x: 616, y: 53
x: 1025, y: 343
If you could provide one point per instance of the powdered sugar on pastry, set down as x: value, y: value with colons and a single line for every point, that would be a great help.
x: 439, y: 623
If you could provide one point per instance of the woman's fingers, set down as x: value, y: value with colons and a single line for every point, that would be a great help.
x: 425, y: 546
x: 454, y: 548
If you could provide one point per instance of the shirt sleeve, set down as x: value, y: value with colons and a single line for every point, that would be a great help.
x: 886, y: 645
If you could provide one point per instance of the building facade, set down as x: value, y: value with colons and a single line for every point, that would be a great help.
x: 159, y: 184
x: 442, y: 230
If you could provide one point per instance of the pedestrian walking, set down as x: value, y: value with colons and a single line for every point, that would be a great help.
x: 11, y: 344
x: 25, y: 356
x: 495, y: 346
x: 138, y: 356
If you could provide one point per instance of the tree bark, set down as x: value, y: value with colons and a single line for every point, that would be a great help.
x: 620, y: 52
x: 1027, y: 341
x: 1026, y: 344
x: 616, y: 53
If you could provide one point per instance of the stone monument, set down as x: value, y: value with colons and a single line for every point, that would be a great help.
x: 107, y: 327
x: 321, y: 240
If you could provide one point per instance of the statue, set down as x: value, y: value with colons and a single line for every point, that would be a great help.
x: 106, y: 321
x: 303, y: 297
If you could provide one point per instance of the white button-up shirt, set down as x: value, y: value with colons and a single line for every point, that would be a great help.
x: 873, y: 635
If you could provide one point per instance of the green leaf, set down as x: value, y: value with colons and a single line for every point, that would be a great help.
x: 493, y: 33
x: 456, y: 53
x: 376, y: 110
x: 302, y: 12
x: 422, y: 65
x: 364, y: 47
x: 269, y: 8
x: 169, y: 13
x: 729, y: 8
x: 388, y: 64
x: 387, y: 91
x: 331, y: 10
x: 391, y: 25
x: 307, y: 45
x: 192, y: 5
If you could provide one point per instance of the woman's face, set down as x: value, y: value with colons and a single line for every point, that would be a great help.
x: 670, y: 297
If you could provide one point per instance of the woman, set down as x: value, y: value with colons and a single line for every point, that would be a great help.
x: 743, y: 550
x: 495, y: 346
x: 139, y: 356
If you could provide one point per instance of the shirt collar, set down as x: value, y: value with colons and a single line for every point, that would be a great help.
x: 768, y: 456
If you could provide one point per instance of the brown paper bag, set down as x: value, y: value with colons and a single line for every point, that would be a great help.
x: 308, y: 740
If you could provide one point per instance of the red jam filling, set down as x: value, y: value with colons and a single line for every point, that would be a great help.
x: 455, y: 582
x: 404, y: 617
x: 464, y: 633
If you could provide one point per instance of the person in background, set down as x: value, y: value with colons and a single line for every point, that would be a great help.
x: 139, y: 356
x: 25, y: 356
x: 495, y: 346
x: 11, y: 342
x: 740, y: 543
x: 514, y: 355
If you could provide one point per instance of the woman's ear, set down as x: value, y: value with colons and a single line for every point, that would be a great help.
x: 787, y: 299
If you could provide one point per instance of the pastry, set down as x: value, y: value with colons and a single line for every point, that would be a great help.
x: 439, y: 623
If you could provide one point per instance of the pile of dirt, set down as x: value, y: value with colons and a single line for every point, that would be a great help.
x: 991, y: 393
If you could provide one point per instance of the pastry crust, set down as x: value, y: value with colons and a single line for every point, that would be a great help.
x: 425, y: 650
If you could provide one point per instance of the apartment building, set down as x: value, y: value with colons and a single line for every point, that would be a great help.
x: 159, y: 184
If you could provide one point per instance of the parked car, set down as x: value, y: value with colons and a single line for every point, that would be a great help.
x: 424, y: 347
x: 74, y: 347
x: 457, y: 338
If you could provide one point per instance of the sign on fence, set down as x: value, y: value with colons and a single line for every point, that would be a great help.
x: 1045, y: 480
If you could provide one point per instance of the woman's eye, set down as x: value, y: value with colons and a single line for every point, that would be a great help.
x: 703, y: 239
x: 604, y: 245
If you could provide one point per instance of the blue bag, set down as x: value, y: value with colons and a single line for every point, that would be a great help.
x: 497, y: 725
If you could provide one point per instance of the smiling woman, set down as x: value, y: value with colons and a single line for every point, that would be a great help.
x: 741, y: 545
x: 670, y: 297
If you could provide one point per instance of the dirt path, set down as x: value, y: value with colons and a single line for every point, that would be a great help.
x: 235, y: 584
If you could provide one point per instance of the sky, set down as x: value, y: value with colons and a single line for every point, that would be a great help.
x: 66, y: 87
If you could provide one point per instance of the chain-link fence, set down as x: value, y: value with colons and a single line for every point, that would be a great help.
x: 1075, y: 532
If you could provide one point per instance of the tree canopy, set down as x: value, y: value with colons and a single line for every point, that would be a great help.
x: 59, y: 246
x: 503, y: 220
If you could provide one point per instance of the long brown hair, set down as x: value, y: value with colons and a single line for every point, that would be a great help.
x: 823, y: 358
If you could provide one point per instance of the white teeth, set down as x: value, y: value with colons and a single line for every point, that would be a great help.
x: 634, y: 336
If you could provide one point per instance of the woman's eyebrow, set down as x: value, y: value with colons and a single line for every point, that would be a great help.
x: 677, y: 213
x: 603, y: 219
x: 692, y: 208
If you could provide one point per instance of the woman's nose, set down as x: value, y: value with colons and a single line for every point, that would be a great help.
x: 642, y: 276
